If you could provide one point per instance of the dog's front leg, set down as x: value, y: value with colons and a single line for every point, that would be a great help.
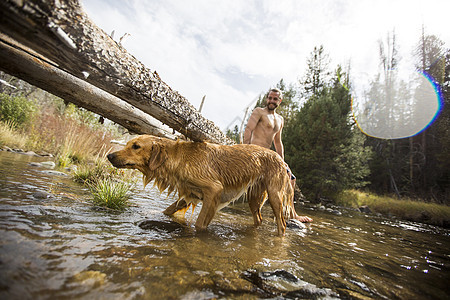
x: 256, y: 201
x: 210, y: 204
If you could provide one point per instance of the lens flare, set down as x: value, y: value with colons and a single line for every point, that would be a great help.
x: 391, y: 111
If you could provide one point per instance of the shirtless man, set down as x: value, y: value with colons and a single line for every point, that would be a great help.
x: 264, y: 127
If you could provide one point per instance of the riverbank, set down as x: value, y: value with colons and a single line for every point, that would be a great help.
x: 73, y: 144
x: 403, y: 209
x: 77, y: 145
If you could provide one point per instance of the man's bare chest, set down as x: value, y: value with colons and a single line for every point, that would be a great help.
x: 271, y: 122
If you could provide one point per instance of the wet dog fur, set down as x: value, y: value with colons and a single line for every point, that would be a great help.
x: 211, y: 173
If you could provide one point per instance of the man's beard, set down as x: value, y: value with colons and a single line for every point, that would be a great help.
x: 273, y: 107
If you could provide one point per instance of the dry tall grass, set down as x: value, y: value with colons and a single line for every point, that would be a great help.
x: 11, y: 137
x: 67, y: 138
x: 71, y: 140
x: 405, y: 209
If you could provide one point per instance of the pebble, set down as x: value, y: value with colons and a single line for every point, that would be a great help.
x: 365, y: 209
x: 41, y: 195
x: 52, y: 172
x: 31, y: 153
x: 295, y: 224
x: 45, y: 154
x: 336, y: 212
x: 48, y: 164
x: 21, y: 151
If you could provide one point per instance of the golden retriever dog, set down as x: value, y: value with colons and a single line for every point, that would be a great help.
x: 213, y: 174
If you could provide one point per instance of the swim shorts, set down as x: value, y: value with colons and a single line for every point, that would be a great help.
x: 290, y: 173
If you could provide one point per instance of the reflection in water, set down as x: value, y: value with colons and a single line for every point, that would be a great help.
x: 62, y: 247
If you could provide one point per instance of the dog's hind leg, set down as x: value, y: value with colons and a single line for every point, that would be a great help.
x: 176, y: 206
x: 276, y: 202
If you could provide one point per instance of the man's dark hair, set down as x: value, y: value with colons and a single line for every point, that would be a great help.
x: 276, y: 91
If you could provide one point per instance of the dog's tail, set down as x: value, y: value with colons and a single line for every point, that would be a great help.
x: 288, y: 201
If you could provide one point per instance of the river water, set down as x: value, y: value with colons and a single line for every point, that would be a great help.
x: 54, y: 244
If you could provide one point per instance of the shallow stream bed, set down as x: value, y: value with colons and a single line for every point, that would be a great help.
x: 54, y: 244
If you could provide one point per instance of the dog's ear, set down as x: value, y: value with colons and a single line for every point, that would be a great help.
x: 157, y: 157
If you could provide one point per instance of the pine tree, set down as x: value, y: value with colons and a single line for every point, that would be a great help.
x: 441, y: 176
x: 317, y: 75
x: 322, y: 145
x: 234, y: 135
x: 432, y: 145
x: 382, y: 101
x: 289, y: 104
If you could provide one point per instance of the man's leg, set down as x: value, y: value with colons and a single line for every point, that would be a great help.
x: 303, y: 219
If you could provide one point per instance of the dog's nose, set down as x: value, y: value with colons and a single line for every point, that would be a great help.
x: 111, y: 156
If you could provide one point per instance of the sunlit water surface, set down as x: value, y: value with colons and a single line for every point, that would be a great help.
x: 61, y: 246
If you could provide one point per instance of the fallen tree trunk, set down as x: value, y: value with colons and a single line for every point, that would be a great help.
x: 62, y: 33
x: 34, y: 70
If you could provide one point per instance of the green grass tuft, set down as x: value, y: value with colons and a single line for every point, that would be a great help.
x: 110, y: 193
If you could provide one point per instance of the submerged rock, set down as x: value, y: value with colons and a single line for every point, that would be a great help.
x: 41, y: 195
x: 310, y: 291
x: 281, y: 274
x: 91, y: 279
x: 160, y: 225
x: 283, y: 283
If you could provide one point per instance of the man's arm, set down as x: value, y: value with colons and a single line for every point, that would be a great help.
x: 278, y: 143
x: 251, y: 125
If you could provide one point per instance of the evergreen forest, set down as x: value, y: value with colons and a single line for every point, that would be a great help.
x: 328, y: 152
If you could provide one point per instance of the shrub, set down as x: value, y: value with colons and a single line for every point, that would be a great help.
x: 16, y: 109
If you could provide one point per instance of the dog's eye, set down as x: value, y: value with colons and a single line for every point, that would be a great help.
x: 135, y: 146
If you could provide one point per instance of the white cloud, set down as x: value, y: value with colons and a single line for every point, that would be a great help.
x: 231, y: 51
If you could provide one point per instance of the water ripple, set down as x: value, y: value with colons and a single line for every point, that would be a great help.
x: 56, y: 244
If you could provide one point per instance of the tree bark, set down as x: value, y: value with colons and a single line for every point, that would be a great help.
x: 61, y: 32
x: 37, y: 72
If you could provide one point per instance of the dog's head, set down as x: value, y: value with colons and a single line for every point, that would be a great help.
x: 144, y: 153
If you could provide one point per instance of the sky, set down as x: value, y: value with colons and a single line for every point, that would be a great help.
x: 232, y: 51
